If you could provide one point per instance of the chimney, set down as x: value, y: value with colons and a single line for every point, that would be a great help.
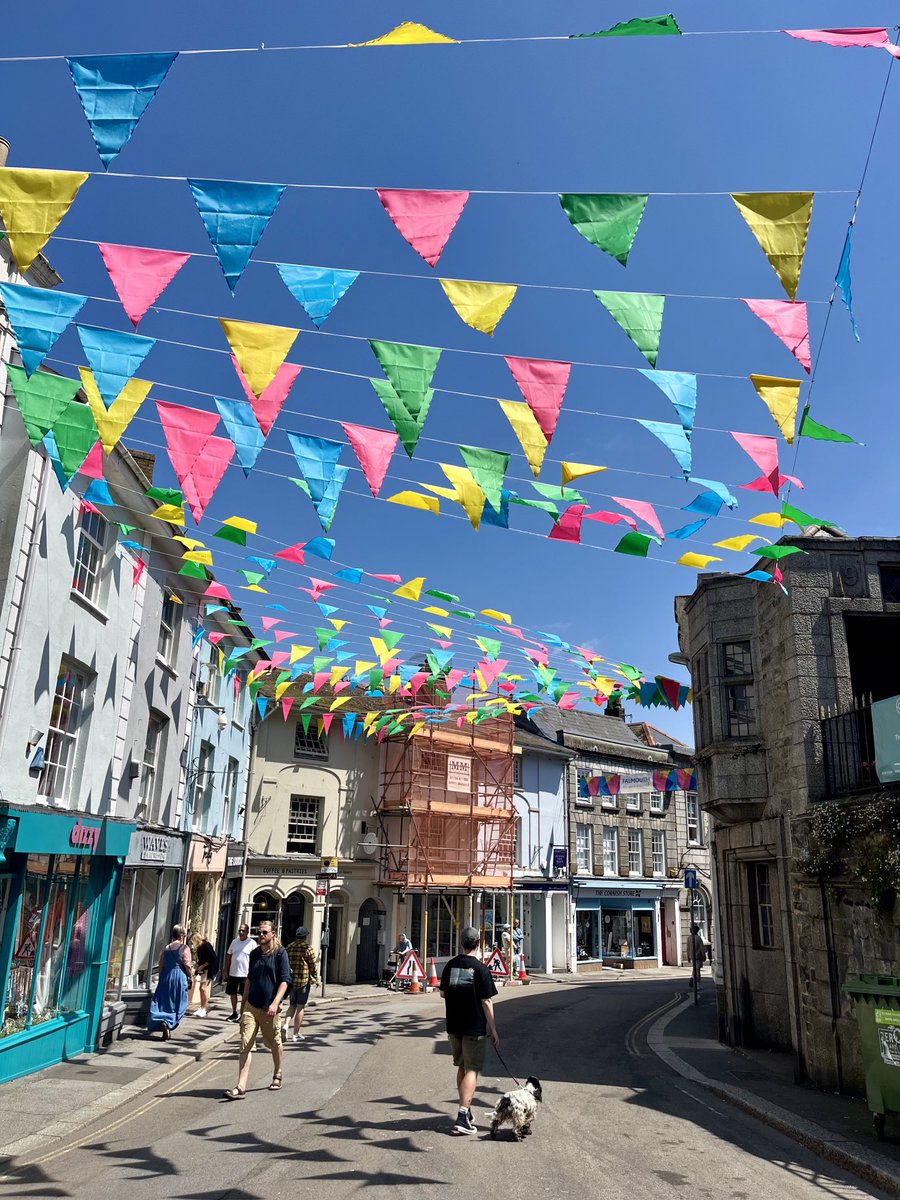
x: 4, y: 151
x: 615, y: 707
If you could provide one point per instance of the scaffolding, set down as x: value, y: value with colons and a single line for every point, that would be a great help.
x: 446, y: 808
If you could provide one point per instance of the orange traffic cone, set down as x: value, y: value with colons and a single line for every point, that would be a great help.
x: 433, y: 982
x: 523, y: 974
x: 414, y: 986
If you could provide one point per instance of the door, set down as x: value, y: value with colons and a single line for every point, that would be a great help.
x: 367, y: 942
x: 293, y: 913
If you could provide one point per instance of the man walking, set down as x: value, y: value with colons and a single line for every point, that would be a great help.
x: 304, y: 973
x: 468, y: 987
x: 237, y: 963
x: 268, y: 978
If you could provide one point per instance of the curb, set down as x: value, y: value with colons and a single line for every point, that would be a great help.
x: 842, y: 1152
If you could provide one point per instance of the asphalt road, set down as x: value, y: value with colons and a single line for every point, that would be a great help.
x: 369, y: 1099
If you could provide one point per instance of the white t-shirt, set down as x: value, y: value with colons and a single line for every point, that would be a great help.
x: 240, y: 956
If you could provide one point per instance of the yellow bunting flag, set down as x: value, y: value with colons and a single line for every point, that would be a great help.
x: 298, y: 652
x: 381, y: 649
x: 697, y: 560
x: 780, y: 396
x: 780, y: 223
x: 204, y: 557
x: 173, y: 513
x: 241, y: 523
x: 259, y: 349
x: 468, y: 493
x: 393, y: 683
x: 339, y: 625
x: 337, y: 674
x: 415, y: 500
x: 113, y: 421
x: 497, y: 616
x: 254, y: 587
x: 32, y: 204
x: 281, y: 688
x: 741, y: 542
x: 443, y: 631
x: 438, y: 612
x: 189, y: 542
x: 480, y: 305
x: 336, y: 704
x: 525, y: 427
x: 772, y: 520
x: 369, y: 718
x: 411, y: 590
x: 572, y: 471
x: 410, y: 33
x: 362, y: 667
x: 417, y: 728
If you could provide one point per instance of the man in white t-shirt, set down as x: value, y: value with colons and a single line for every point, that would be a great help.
x: 237, y: 966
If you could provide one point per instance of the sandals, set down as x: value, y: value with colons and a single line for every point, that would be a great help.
x: 234, y: 1093
x: 275, y: 1085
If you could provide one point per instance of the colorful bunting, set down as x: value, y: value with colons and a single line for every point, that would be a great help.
x: 243, y: 429
x: 608, y: 221
x: 636, y: 544
x: 568, y: 527
x: 842, y: 279
x: 37, y: 317
x: 466, y: 492
x: 373, y: 448
x: 424, y: 219
x: 316, y: 289
x: 698, y: 561
x: 317, y: 459
x: 643, y: 511
x: 41, y: 400
x: 789, y: 321
x: 115, y: 90
x: 410, y: 370
x: 572, y: 470
x: 637, y: 27
x: 739, y: 543
x: 75, y: 433
x: 640, y: 315
x: 528, y: 431
x: 674, y: 438
x: 113, y: 357
x: 764, y: 452
x: 260, y: 351
x: 409, y: 33
x: 780, y: 223
x: 269, y: 404
x: 877, y: 38
x: 681, y: 388
x: 140, y: 275
x: 235, y: 216
x: 480, y: 305
x: 488, y: 468
x: 206, y: 475
x: 543, y: 384
x: 781, y: 397
x: 821, y: 433
x: 32, y: 204
x: 407, y: 423
x: 112, y: 420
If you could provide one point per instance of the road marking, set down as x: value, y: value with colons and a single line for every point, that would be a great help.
x: 631, y: 1044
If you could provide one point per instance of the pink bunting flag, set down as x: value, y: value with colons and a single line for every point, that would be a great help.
x: 267, y: 406
x: 321, y: 585
x: 282, y: 634
x: 140, y: 275
x: 515, y: 632
x: 218, y: 591
x: 671, y: 689
x: 764, y: 452
x: 644, y: 511
x: 373, y: 448
x: 293, y: 554
x: 568, y: 527
x: 454, y: 678
x: 789, y: 321
x: 327, y: 718
x: 86, y: 506
x: 568, y: 700
x: 280, y: 658
x: 206, y: 475
x: 386, y: 578
x: 660, y: 781
x: 611, y: 518
x: 847, y: 37
x: 765, y: 483
x: 490, y: 670
x: 215, y: 638
x: 340, y: 686
x: 424, y: 219
x: 320, y: 679
x: 92, y: 467
x: 286, y: 703
x: 267, y: 623
x: 416, y: 681
x: 139, y: 568
x: 187, y: 432
x: 543, y: 383
x: 444, y: 645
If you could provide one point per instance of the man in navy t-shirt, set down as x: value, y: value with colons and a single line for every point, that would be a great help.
x: 467, y: 987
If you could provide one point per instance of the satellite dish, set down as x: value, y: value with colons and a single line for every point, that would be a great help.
x: 369, y: 844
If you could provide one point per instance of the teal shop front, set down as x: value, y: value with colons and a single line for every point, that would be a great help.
x: 59, y: 875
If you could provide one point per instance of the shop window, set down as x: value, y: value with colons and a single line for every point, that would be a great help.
x: 644, y: 935
x: 168, y: 628
x: 303, y: 825
x: 203, y: 786
x: 657, y: 802
x: 89, y: 555
x: 153, y: 754
x: 738, y: 693
x: 694, y: 827
x: 68, y: 724
x: 309, y: 744
x: 584, y: 850
x: 587, y: 934
x: 762, y: 910
x: 635, y: 852
x: 232, y: 793
x: 617, y: 941
x: 444, y: 918
x: 265, y: 908
x: 658, y: 851
x: 610, y: 850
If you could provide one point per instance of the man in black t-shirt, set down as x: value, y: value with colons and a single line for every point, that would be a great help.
x: 268, y: 979
x: 468, y: 987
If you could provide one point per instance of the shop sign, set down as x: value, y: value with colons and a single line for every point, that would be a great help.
x: 86, y: 836
x: 150, y: 848
x: 628, y: 893
x: 459, y: 773
x: 641, y: 781
x: 560, y: 859
x: 329, y: 866
x: 154, y: 847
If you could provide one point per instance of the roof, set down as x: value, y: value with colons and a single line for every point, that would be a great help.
x: 560, y: 725
x: 651, y: 736
x: 534, y: 741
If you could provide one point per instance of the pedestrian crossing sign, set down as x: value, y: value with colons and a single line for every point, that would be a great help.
x: 497, y: 966
x: 410, y: 967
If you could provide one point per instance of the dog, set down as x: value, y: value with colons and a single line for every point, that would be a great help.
x: 518, y: 1108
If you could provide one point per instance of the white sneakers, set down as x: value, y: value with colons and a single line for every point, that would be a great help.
x: 297, y: 1037
x: 200, y: 1012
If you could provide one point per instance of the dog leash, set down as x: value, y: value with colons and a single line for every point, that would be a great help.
x: 506, y: 1068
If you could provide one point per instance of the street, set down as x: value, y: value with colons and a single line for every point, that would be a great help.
x: 369, y: 1098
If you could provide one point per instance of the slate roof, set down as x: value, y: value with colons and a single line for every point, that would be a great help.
x: 586, y: 727
x: 651, y: 736
x: 533, y: 741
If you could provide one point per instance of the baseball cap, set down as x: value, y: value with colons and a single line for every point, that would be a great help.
x: 470, y: 936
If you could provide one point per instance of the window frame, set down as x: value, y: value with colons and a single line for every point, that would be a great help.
x: 149, y: 783
x: 304, y: 743
x: 738, y: 690
x: 584, y: 841
x: 90, y: 556
x: 610, y: 844
x: 691, y: 803
x: 761, y: 905
x: 635, y: 838
x: 167, y: 641
x: 634, y: 801
x: 294, y: 819
x: 203, y: 782
x: 67, y: 703
x: 657, y: 804
x: 230, y: 792
x: 517, y: 770
x: 658, y: 853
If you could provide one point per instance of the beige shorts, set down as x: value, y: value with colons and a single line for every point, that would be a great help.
x: 258, y: 1019
x: 468, y: 1052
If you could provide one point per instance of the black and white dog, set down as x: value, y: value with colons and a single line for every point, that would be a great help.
x: 518, y: 1108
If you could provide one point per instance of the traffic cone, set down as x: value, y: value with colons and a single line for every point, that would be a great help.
x: 433, y: 982
x: 523, y: 974
x: 414, y: 986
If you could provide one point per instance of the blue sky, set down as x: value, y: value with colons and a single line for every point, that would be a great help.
x: 697, y: 114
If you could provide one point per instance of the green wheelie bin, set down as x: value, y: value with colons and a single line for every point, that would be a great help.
x: 877, y: 999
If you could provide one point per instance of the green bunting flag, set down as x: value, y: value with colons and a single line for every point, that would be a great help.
x: 408, y: 423
x: 777, y: 552
x: 640, y: 315
x: 607, y: 221
x: 803, y: 519
x: 638, y: 27
x: 193, y: 570
x: 821, y: 433
x: 488, y: 468
x: 409, y: 368
x: 75, y: 432
x: 636, y: 543
x: 446, y: 596
x: 42, y: 399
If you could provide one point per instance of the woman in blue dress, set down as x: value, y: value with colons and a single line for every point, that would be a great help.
x: 175, y: 979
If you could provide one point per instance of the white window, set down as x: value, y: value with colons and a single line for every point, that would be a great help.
x: 610, y: 802
x: 213, y: 687
x: 582, y: 792
x: 308, y: 743
x: 203, y: 785
x: 657, y: 802
x: 635, y: 852
x: 584, y: 850
x: 658, y: 850
x: 634, y: 800
x: 148, y: 794
x: 232, y: 783
x: 303, y: 825
x: 67, y: 723
x: 89, y: 555
x: 610, y: 850
x: 168, y: 626
x: 694, y: 828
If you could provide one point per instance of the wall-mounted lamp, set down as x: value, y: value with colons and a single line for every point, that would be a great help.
x: 222, y: 719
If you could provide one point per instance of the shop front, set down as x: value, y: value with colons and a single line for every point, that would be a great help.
x: 617, y: 926
x: 59, y: 876
x: 231, y: 890
x: 145, y: 912
x: 206, y: 864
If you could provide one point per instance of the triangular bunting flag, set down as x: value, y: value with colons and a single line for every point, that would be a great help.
x: 317, y: 459
x: 699, y: 561
x: 259, y: 349
x: 488, y: 468
x: 243, y: 429
x: 235, y: 216
x: 466, y: 491
x: 528, y: 431
x: 674, y: 438
x: 415, y: 500
x: 764, y: 452
x: 877, y: 38
x: 638, y: 27
x: 842, y: 279
x: 373, y: 448
x: 568, y: 527
x: 316, y: 289
x: 140, y: 275
x: 32, y: 204
x: 113, y: 357
x: 789, y: 321
x: 408, y: 426
x: 206, y: 475
x: 424, y: 219
x: 607, y: 221
x: 267, y: 406
x: 480, y: 305
x: 409, y: 368
x: 780, y: 223
x: 643, y: 511
x: 75, y: 433
x: 411, y: 590
x: 112, y: 420
x: 38, y: 316
x: 681, y: 388
x: 640, y: 315
x: 543, y: 383
x: 115, y: 90
x: 409, y: 33
x: 187, y: 431
x: 41, y: 399
x: 572, y: 470
x: 821, y: 433
x: 780, y: 397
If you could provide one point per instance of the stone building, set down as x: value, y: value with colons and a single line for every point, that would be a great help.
x: 806, y: 832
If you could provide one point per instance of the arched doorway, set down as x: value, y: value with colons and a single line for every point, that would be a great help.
x: 367, y: 947
x: 265, y: 908
x: 293, y: 915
